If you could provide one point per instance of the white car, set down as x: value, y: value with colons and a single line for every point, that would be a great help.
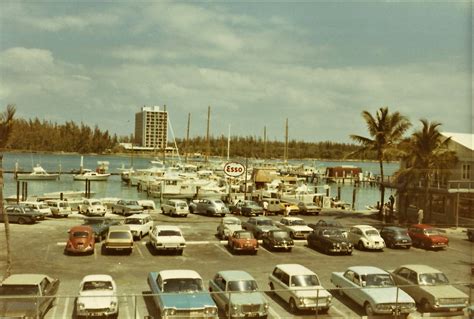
x: 365, y: 237
x: 299, y: 287
x: 295, y: 226
x: 228, y: 226
x: 97, y: 297
x: 59, y: 207
x: 41, y: 207
x: 140, y: 224
x: 175, y: 207
x: 167, y: 238
x: 92, y: 207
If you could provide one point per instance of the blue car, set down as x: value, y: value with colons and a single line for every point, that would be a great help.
x: 180, y: 294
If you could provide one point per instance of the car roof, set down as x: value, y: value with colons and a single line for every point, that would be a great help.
x: 176, y: 201
x: 395, y: 228
x: 292, y: 218
x: 80, y: 228
x: 229, y: 275
x: 119, y: 228
x: 261, y: 218
x: 179, y: 273
x: 138, y: 216
x: 230, y: 218
x: 422, y: 226
x: 421, y: 268
x: 295, y: 268
x: 364, y: 227
x: 167, y: 227
x: 24, y: 279
x: 367, y: 270
x: 98, y: 277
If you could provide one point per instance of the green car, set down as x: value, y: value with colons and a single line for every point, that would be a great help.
x: 235, y: 292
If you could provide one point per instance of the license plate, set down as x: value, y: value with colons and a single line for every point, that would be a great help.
x: 453, y: 309
x: 404, y: 241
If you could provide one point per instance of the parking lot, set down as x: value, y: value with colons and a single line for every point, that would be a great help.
x: 39, y: 248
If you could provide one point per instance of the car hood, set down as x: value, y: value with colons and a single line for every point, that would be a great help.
x: 245, y: 298
x: 336, y: 240
x: 76, y: 241
x: 300, y: 228
x: 96, y: 299
x: 438, y: 239
x: 387, y: 295
x: 374, y: 238
x: 311, y: 292
x: 444, y: 291
x: 233, y: 227
x: 133, y: 207
x: 266, y: 228
x: 17, y: 308
x: 187, y: 300
x: 134, y: 227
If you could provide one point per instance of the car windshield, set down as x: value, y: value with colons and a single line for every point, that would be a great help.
x: 265, y: 222
x: 94, y: 221
x: 218, y: 202
x: 133, y: 221
x: 280, y: 234
x: 120, y: 235
x: 297, y: 222
x: 18, y: 290
x: 97, y: 285
x: 96, y: 203
x: 43, y: 206
x: 28, y: 209
x: 333, y: 223
x: 232, y: 222
x: 182, y: 285
x: 433, y: 279
x: 181, y: 205
x: 251, y: 203
x: 372, y: 232
x: 63, y: 205
x: 244, y: 235
x: 242, y: 285
x: 378, y: 280
x: 333, y: 233
x: 304, y: 281
x: 432, y: 232
x: 80, y: 234
x: 169, y: 233
x: 131, y: 202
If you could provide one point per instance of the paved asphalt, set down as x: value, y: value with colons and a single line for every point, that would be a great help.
x: 39, y: 249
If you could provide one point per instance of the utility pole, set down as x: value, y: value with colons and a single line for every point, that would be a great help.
x: 228, y: 144
x: 187, y: 139
x: 208, y: 151
x: 265, y: 142
x: 286, y: 142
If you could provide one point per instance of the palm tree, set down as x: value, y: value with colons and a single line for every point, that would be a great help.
x: 427, y: 159
x: 386, y: 130
x: 6, y: 125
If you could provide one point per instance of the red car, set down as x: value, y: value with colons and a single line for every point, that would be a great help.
x: 427, y: 236
x: 81, y: 240
x: 243, y: 240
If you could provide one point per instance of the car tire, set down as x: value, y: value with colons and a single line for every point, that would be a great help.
x: 180, y: 252
x: 292, y: 235
x: 140, y: 236
x: 21, y: 221
x: 293, y: 308
x: 368, y: 309
x: 425, y: 305
x: 272, y: 288
x: 360, y: 245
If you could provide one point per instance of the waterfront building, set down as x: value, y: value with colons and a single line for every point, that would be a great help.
x: 151, y: 127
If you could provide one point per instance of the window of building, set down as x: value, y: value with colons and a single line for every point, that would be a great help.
x: 466, y: 171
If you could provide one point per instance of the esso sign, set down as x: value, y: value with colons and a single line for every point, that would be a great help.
x: 234, y: 169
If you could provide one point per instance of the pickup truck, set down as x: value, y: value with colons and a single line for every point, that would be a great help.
x: 373, y: 289
x: 33, y: 286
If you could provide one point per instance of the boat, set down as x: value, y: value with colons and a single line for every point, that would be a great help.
x: 38, y: 174
x: 90, y: 175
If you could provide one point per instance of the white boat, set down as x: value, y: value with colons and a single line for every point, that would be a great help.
x: 90, y: 175
x: 38, y: 174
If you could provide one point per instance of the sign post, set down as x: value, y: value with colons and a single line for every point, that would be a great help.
x: 233, y: 170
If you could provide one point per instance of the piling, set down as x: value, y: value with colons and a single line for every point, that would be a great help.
x: 353, y: 198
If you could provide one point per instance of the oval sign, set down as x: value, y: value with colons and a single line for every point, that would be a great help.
x: 234, y: 169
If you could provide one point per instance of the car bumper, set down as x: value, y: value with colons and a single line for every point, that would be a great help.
x: 95, y: 313
x: 159, y: 246
x: 79, y: 250
x: 340, y: 250
x: 438, y: 245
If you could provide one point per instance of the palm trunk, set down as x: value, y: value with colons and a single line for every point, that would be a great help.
x: 426, y: 200
x: 6, y: 223
x: 382, y: 188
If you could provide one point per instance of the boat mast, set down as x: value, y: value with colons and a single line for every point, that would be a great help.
x: 187, y: 139
x: 208, y: 151
x: 264, y: 142
x: 228, y: 144
x: 285, y: 155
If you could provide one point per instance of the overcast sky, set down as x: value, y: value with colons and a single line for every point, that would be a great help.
x: 319, y: 64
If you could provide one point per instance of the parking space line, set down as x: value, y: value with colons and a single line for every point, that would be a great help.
x: 95, y: 253
x: 61, y: 243
x: 47, y: 252
x: 66, y: 307
x: 339, y: 312
x: 309, y: 250
x: 224, y: 250
x: 139, y: 251
x: 273, y: 313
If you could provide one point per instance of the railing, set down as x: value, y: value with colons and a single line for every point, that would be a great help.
x: 143, y: 306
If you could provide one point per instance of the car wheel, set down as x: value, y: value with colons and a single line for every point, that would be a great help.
x: 390, y: 244
x: 292, y: 235
x: 21, y: 221
x: 425, y: 305
x: 180, y: 252
x: 272, y: 288
x: 293, y: 308
x: 360, y: 245
x: 140, y: 236
x: 368, y: 309
x: 423, y: 245
x: 340, y: 290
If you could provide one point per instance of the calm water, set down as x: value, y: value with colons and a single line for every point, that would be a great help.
x: 115, y: 188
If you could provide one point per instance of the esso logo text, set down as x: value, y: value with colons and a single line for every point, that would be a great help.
x: 234, y: 169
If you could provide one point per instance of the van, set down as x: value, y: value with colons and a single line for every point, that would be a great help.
x: 140, y: 224
x: 175, y: 207
x: 41, y: 207
x: 274, y: 205
x: 59, y: 208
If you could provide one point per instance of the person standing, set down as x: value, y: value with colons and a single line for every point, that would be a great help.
x: 420, y: 216
x: 265, y: 208
x: 287, y: 210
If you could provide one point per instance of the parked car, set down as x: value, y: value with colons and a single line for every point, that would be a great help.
x: 330, y: 241
x: 167, y: 238
x: 430, y: 288
x: 246, y: 208
x: 140, y: 224
x: 180, y: 294
x: 365, y: 237
x: 81, y: 240
x: 227, y: 226
x: 259, y: 226
x: 294, y: 209
x: 373, y: 289
x: 92, y: 207
x: 21, y: 214
x: 273, y: 205
x: 295, y: 226
x: 97, y: 297
x: 236, y: 293
x: 175, y: 207
x: 396, y: 237
x: 299, y: 287
x: 329, y: 223
x: 210, y: 207
x: 59, y: 208
x: 40, y: 288
x: 119, y: 238
x: 427, y: 237
x: 100, y: 226
x: 470, y: 234
x: 41, y: 207
x: 127, y: 207
x: 278, y: 239
x: 243, y: 241
x: 309, y: 208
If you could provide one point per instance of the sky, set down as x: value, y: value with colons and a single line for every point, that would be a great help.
x: 256, y: 64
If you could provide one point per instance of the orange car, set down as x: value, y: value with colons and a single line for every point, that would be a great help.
x: 243, y: 240
x: 81, y: 240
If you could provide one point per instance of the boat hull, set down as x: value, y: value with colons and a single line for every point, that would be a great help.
x: 29, y: 177
x: 91, y: 178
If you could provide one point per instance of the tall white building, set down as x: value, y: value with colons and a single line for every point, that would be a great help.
x: 151, y: 127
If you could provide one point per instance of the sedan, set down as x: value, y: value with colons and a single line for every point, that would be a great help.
x: 97, y: 297
x: 21, y: 214
x: 427, y: 237
x: 396, y: 237
x: 243, y: 241
x: 278, y: 239
x: 330, y: 240
x: 81, y: 240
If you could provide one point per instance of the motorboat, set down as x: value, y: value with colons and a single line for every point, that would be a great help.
x: 38, y: 174
x: 90, y: 175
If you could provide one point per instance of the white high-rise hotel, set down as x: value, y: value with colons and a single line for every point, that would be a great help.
x: 151, y: 127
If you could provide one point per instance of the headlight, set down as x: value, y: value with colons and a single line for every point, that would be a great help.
x: 211, y: 310
x: 436, y: 303
x: 80, y: 306
x: 265, y: 306
x: 234, y: 307
x: 169, y: 312
x: 113, y: 304
x: 301, y: 301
